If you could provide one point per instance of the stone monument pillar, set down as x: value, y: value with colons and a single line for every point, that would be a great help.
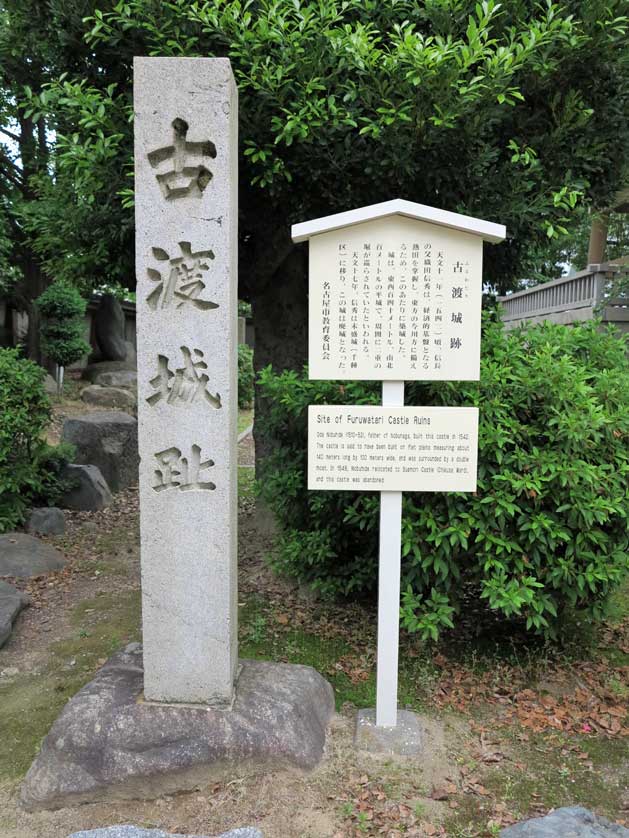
x: 198, y: 720
x: 186, y: 180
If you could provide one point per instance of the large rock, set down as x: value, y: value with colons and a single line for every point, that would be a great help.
x: 109, y: 743
x: 109, y: 396
x: 23, y: 556
x: 571, y: 822
x: 108, y: 440
x: 92, y: 371
x: 89, y: 491
x: 46, y: 520
x: 109, y: 328
x: 128, y: 831
x: 118, y: 378
x: 11, y: 603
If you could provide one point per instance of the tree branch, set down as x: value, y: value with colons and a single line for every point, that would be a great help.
x: 10, y: 134
x: 11, y: 171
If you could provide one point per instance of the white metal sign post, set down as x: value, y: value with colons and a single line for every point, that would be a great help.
x: 389, y: 570
x: 395, y: 295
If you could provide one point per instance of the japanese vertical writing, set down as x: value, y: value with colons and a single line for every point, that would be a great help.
x: 355, y: 279
x: 390, y: 346
x: 396, y: 300
x: 403, y: 301
x: 379, y: 309
x: 326, y: 321
x: 366, y: 318
x: 342, y: 309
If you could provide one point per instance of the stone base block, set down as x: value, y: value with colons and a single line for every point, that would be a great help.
x: 403, y: 740
x: 109, y: 743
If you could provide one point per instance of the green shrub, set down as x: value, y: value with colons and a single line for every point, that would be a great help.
x: 244, y: 309
x: 30, y: 469
x: 245, y: 376
x: 62, y: 309
x: 545, y: 534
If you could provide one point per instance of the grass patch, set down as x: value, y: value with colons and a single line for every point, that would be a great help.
x: 71, y: 393
x: 116, y: 541
x: 546, y: 772
x: 352, y: 675
x: 553, y: 776
x: 246, y: 482
x: 618, y: 606
x: 31, y: 703
x: 105, y: 567
x: 263, y: 638
x: 245, y: 418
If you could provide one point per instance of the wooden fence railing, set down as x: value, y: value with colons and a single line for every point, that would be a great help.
x: 587, y: 294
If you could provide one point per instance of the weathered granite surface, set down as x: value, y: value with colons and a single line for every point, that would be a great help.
x: 109, y: 397
x: 109, y: 743
x: 11, y: 603
x: 89, y: 491
x: 124, y: 379
x: 186, y: 209
x: 46, y: 520
x: 570, y: 822
x: 109, y: 440
x: 23, y: 556
x: 93, y: 370
x: 128, y: 831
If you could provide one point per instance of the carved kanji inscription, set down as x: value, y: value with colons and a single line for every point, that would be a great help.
x: 182, y: 166
x: 180, y: 282
x: 187, y: 384
x: 184, y: 474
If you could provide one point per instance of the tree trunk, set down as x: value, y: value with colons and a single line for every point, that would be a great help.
x: 34, y: 155
x: 33, y: 285
x: 280, y: 318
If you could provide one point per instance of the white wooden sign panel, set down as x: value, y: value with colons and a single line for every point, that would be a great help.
x: 409, y: 449
x: 395, y: 299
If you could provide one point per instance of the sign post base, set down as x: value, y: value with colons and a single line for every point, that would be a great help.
x: 404, y: 740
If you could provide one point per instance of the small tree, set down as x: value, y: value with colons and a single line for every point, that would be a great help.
x: 31, y: 471
x: 62, y: 310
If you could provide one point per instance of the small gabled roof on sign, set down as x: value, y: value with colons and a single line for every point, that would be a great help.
x: 487, y: 230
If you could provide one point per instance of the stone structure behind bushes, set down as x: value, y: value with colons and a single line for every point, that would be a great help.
x: 109, y: 440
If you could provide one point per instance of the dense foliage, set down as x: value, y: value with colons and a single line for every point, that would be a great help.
x: 546, y: 532
x: 514, y: 112
x: 245, y: 376
x: 30, y: 470
x: 62, y: 310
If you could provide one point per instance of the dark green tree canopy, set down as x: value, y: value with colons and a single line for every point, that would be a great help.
x: 512, y: 112
x: 507, y: 112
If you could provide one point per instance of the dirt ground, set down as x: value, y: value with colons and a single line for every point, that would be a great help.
x: 502, y: 741
x: 282, y: 805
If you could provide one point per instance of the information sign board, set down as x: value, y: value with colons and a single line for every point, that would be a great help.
x: 395, y: 299
x: 395, y: 295
x: 408, y: 449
